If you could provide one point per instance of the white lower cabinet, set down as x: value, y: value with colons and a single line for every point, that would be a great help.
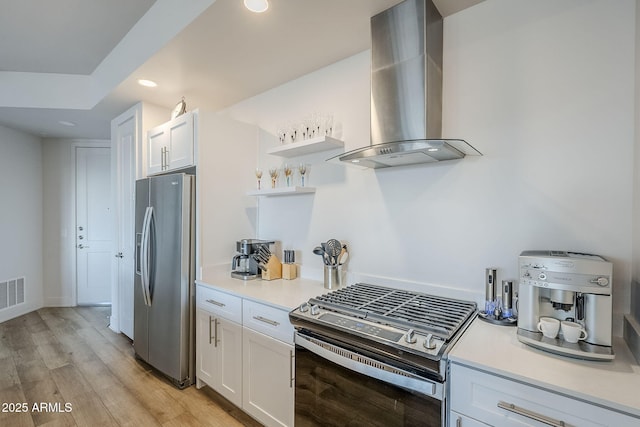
x: 459, y: 420
x: 480, y: 397
x: 245, y: 352
x: 219, y: 355
x: 268, y: 369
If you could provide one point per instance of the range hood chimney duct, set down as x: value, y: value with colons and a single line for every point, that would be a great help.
x: 406, y: 90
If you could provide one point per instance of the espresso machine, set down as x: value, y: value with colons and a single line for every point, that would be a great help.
x: 244, y: 264
x: 568, y: 286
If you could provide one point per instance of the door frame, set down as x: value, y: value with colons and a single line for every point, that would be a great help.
x: 74, y: 220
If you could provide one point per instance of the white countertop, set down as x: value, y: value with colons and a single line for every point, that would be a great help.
x: 280, y: 293
x: 496, y: 349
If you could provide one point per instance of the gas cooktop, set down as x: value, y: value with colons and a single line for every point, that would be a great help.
x: 414, y: 322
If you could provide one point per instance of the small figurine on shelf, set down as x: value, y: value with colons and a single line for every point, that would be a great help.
x: 287, y: 173
x: 274, y: 176
x: 259, y: 176
x: 302, y: 168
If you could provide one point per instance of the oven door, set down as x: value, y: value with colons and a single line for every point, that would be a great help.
x: 336, y: 386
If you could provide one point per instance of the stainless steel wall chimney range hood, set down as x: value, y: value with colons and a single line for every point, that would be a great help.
x: 406, y: 91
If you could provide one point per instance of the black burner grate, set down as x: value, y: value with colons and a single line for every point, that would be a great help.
x: 422, y: 312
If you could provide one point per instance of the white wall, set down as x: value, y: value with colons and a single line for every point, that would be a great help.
x: 21, y: 216
x: 635, y: 290
x: 59, y: 219
x: 544, y: 89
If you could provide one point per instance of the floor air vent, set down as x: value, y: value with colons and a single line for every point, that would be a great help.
x: 11, y: 292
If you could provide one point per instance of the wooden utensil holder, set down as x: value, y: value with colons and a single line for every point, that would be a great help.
x: 273, y: 269
x: 289, y: 271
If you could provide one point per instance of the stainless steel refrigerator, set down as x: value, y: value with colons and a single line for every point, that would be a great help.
x: 164, y: 293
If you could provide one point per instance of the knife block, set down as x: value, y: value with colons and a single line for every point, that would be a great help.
x: 273, y: 269
x: 289, y: 271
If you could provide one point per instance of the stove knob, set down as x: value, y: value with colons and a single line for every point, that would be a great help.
x: 428, y: 342
x: 410, y: 337
x: 304, y: 307
x: 315, y: 310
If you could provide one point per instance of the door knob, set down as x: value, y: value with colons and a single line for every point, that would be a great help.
x: 119, y: 255
x: 80, y: 246
x: 80, y: 237
x: 80, y: 228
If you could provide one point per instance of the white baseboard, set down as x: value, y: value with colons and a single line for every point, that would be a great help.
x: 59, y: 302
x: 17, y: 310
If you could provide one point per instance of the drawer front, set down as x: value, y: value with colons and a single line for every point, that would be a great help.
x: 459, y: 420
x: 498, y: 401
x: 270, y: 321
x: 220, y: 303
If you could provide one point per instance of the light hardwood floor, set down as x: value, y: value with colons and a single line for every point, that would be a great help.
x: 69, y: 356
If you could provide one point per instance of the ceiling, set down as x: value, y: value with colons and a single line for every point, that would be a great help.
x: 77, y: 61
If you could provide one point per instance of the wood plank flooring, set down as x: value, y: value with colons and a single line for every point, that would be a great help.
x: 65, y: 367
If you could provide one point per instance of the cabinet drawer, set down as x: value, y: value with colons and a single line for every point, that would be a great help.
x: 270, y: 321
x: 220, y: 303
x: 498, y: 401
x: 459, y: 420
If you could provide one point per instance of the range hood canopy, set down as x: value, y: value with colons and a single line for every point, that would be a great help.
x: 406, y: 91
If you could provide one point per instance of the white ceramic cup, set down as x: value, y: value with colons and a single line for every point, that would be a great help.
x: 549, y: 326
x: 572, y: 331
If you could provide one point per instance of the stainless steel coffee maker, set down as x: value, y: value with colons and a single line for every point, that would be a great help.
x: 566, y: 289
x: 244, y: 265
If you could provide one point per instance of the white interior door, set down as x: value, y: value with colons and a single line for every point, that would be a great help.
x: 123, y: 180
x: 93, y: 226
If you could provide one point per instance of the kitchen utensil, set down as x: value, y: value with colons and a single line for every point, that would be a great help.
x: 343, y: 258
x: 333, y: 249
x: 325, y: 255
x: 289, y: 256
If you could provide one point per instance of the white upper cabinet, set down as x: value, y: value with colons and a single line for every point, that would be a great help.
x: 171, y: 145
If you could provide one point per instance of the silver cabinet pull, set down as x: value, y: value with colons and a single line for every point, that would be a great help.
x: 210, y: 319
x: 215, y: 329
x: 214, y: 302
x: 265, y: 320
x: 530, y: 414
x: 292, y: 376
x: 459, y: 422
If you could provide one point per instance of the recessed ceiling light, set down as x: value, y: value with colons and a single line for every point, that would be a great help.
x: 147, y: 83
x: 66, y: 123
x: 432, y: 149
x: 257, y: 6
x: 355, y: 161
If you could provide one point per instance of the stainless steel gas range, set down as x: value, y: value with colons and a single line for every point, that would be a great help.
x: 373, y: 355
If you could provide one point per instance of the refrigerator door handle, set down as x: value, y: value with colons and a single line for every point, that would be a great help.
x: 146, y: 223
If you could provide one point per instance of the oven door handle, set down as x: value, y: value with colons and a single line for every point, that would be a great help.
x: 370, y: 367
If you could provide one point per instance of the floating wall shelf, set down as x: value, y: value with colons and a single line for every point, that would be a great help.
x: 283, y: 191
x: 308, y: 146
